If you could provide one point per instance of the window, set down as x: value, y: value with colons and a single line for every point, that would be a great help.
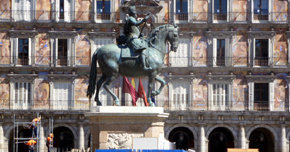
x: 220, y: 54
x: 220, y: 9
x: 62, y: 52
x: 261, y: 52
x: 181, y: 9
x: 23, y: 51
x: 261, y: 9
x: 220, y: 96
x: 103, y: 9
x: 180, y: 98
x: 62, y: 95
x: 180, y: 57
x: 61, y: 9
x: 261, y: 96
x: 22, y: 95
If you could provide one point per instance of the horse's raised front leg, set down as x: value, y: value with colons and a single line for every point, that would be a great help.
x: 99, y: 85
x: 107, y: 84
x: 162, y: 84
x: 150, y: 87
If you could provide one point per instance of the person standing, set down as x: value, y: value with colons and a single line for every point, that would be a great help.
x: 49, y: 142
x: 31, y: 144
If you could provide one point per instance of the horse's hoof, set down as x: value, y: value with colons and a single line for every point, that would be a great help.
x: 99, y: 103
x: 117, y: 103
x: 152, y: 104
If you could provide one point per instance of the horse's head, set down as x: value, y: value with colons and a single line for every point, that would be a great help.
x: 173, y: 38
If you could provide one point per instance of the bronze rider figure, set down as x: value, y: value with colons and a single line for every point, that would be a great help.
x: 132, y: 34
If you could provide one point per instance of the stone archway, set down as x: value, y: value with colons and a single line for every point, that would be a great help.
x: 22, y: 133
x: 63, y: 139
x: 220, y: 139
x: 262, y: 139
x: 182, y: 137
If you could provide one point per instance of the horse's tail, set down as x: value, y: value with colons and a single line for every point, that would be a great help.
x: 93, y: 76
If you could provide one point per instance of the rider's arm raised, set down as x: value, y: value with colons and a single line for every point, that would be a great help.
x: 135, y: 22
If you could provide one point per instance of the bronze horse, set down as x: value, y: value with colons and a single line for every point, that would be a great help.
x: 111, y: 63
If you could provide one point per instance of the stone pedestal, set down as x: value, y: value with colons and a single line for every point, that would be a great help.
x: 115, y: 127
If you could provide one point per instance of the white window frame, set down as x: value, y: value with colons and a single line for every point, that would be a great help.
x: 19, y: 14
x: 112, y: 11
x: 228, y: 51
x: 213, y: 98
x: 251, y: 86
x: 14, y: 47
x: 69, y: 11
x: 55, y: 104
x: 175, y: 56
x: 25, y: 104
x: 269, y: 12
x: 189, y: 12
x: 228, y: 14
x: 270, y: 51
x: 174, y: 87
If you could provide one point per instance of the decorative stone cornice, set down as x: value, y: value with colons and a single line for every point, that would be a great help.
x: 21, y: 77
x: 55, y: 77
x: 23, y: 33
x: 261, y: 34
x: 143, y: 6
x: 260, y: 78
x: 228, y: 78
x: 220, y: 34
x: 62, y: 34
x: 187, y: 34
x: 101, y: 34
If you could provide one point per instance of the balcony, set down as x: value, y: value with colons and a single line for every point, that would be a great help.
x: 261, y: 61
x: 261, y: 106
x: 220, y: 16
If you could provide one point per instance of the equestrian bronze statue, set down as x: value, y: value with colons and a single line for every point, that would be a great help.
x: 124, y: 59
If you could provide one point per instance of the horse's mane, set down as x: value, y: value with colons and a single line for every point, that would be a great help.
x: 157, y: 29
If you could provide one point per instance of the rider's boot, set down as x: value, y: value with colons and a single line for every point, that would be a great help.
x: 143, y: 60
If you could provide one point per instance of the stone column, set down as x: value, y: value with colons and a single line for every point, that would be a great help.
x: 251, y: 95
x: 283, y: 139
x: 243, y: 143
x: 202, y: 139
x: 81, y: 137
x: 42, y: 140
x: 2, y: 142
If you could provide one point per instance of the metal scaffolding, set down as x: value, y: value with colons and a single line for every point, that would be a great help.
x: 27, y: 125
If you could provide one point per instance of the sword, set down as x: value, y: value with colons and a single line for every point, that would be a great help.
x: 143, y: 27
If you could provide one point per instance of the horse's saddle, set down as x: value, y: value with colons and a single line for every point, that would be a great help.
x: 127, y: 53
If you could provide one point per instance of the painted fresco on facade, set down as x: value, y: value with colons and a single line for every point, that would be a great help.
x: 280, y: 9
x: 83, y: 10
x: 5, y: 49
x: 280, y: 50
x: 43, y: 10
x: 280, y: 94
x: 83, y: 53
x: 240, y: 91
x: 199, y: 91
x: 199, y: 52
x: 5, y: 7
x: 240, y: 50
x: 41, y: 93
x: 4, y: 92
x: 42, y: 50
x: 81, y: 99
x: 200, y: 9
x: 239, y: 10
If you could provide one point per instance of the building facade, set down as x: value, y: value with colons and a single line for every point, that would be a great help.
x: 227, y: 85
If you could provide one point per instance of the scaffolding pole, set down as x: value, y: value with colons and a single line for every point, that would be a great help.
x: 17, y: 140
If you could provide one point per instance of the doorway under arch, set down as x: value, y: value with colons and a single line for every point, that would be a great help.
x: 220, y: 139
x: 22, y: 133
x: 63, y: 139
x: 262, y: 139
x: 182, y: 137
